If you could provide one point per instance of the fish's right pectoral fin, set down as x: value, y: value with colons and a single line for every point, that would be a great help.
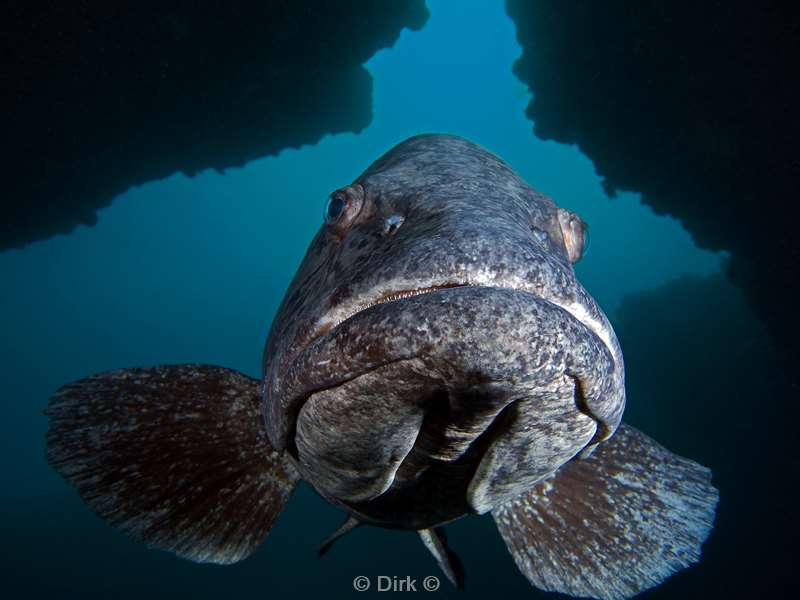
x: 612, y: 524
x: 174, y: 456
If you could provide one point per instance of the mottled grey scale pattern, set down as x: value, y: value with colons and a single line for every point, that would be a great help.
x: 352, y: 438
x: 174, y: 456
x: 541, y: 433
x: 380, y: 369
x: 614, y: 524
x: 468, y: 219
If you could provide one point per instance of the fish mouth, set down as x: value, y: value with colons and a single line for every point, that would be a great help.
x: 334, y: 356
x: 449, y: 356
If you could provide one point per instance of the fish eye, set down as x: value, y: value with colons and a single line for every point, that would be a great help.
x: 342, y: 209
x: 586, y: 239
x: 573, y: 231
x: 334, y: 207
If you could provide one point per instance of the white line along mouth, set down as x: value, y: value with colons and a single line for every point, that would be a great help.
x: 332, y: 320
x: 393, y: 297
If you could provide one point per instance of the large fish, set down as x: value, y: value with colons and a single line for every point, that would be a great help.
x: 434, y: 357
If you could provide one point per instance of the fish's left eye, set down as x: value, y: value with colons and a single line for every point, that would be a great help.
x: 573, y: 232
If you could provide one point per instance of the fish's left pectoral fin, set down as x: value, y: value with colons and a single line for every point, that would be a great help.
x: 173, y: 456
x: 613, y: 524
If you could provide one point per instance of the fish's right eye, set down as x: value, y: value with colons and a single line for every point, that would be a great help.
x: 334, y: 207
x: 342, y: 209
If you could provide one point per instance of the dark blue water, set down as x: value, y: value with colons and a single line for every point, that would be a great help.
x: 193, y: 269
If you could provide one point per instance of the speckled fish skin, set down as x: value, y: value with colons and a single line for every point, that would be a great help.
x: 497, y: 369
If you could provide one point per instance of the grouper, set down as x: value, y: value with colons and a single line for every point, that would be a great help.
x: 434, y: 357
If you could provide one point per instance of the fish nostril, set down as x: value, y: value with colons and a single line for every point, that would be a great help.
x: 540, y: 237
x: 392, y: 224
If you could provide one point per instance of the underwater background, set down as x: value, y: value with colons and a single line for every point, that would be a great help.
x: 192, y: 269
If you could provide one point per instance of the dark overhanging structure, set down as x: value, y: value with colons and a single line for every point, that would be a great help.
x: 101, y: 96
x: 693, y: 104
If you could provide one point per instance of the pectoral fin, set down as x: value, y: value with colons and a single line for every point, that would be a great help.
x: 613, y: 524
x: 346, y: 527
x: 174, y: 456
x: 435, y: 541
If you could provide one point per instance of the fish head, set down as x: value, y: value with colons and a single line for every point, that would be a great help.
x: 435, y: 348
